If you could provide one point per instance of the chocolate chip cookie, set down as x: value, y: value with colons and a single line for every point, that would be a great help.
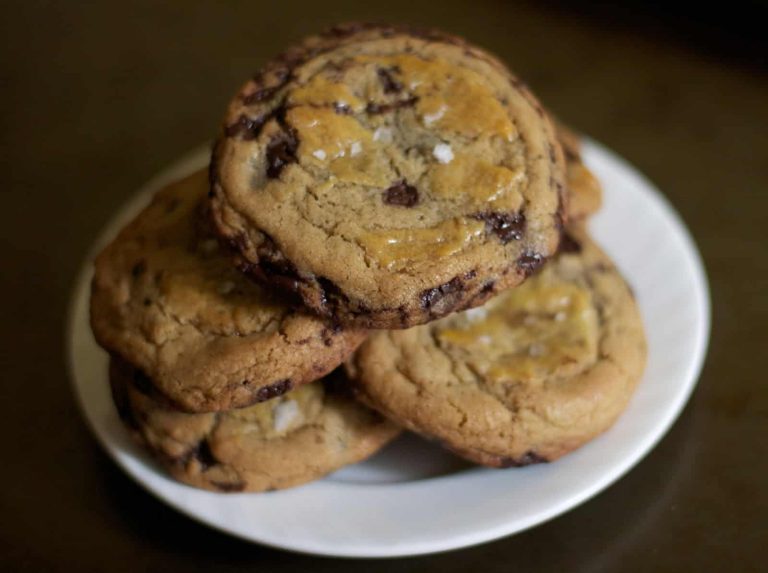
x: 389, y: 176
x: 295, y: 438
x: 166, y: 298
x: 531, y: 375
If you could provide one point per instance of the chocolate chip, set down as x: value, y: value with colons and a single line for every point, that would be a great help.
x: 401, y: 194
x: 388, y: 81
x: 530, y: 457
x: 203, y: 454
x: 568, y: 244
x: 379, y: 108
x: 273, y: 390
x: 529, y: 262
x: 330, y: 293
x: 272, y: 266
x: 507, y: 226
x: 281, y: 77
x: 261, y: 95
x: 281, y: 151
x: 430, y: 298
x: 139, y: 269
x: 552, y: 155
x: 246, y: 127
x: 277, y: 274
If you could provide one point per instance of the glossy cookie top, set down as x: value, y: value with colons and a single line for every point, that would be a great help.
x: 167, y: 298
x: 388, y: 176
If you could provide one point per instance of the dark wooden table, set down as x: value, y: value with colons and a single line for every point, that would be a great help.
x: 96, y: 97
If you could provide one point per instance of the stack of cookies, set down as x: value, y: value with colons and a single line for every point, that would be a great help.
x: 390, y: 235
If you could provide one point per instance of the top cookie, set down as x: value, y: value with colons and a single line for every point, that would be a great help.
x: 167, y: 300
x: 389, y: 176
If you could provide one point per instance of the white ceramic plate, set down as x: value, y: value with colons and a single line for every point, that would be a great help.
x: 413, y: 498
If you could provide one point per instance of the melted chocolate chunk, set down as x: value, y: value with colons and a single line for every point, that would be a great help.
x: 272, y: 267
x: 530, y: 457
x: 246, y: 127
x: 442, y: 299
x: 276, y: 274
x: 281, y: 151
x: 401, y: 194
x: 281, y: 77
x: 379, y: 108
x: 261, y: 95
x: 203, y: 454
x: 507, y: 226
x: 388, y: 81
x: 273, y: 390
x: 529, y: 262
x: 330, y: 293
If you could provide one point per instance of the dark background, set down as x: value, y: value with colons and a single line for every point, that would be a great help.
x: 95, y: 97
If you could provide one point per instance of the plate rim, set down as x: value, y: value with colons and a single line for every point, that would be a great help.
x: 80, y: 286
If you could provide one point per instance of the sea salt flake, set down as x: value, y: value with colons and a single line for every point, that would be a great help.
x: 284, y: 413
x: 443, y: 153
x: 383, y: 134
